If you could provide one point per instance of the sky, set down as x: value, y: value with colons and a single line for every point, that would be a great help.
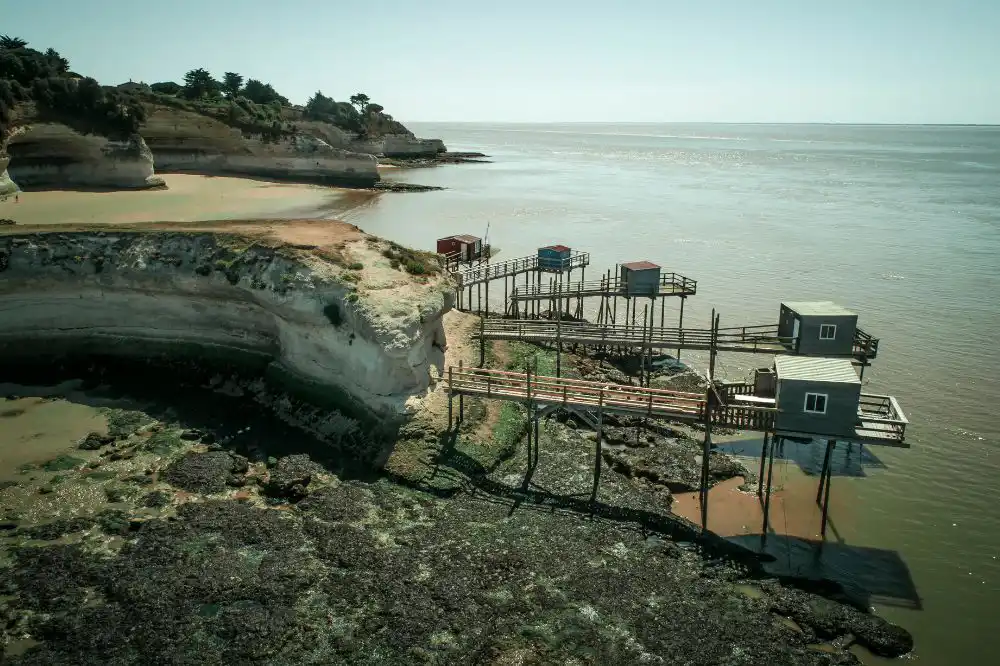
x: 846, y: 61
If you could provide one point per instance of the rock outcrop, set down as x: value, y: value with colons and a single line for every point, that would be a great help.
x: 328, y: 313
x: 183, y: 141
x: 400, y: 145
x: 54, y: 155
x: 7, y: 186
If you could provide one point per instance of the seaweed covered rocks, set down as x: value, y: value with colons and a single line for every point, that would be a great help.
x: 210, y: 472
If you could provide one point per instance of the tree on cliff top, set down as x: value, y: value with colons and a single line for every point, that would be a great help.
x: 166, y: 87
x: 58, y: 62
x: 361, y: 101
x: 199, y: 83
x: 232, y: 84
x: 262, y: 93
x: 8, y: 42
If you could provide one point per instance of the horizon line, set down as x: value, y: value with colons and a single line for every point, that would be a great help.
x: 695, y: 122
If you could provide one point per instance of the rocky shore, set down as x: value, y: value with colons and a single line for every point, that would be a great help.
x: 434, y: 160
x: 219, y: 542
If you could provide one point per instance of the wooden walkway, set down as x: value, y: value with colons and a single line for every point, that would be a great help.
x: 612, y: 398
x: 880, y: 418
x: 746, y: 339
x: 496, y: 271
x: 670, y: 284
x: 751, y: 339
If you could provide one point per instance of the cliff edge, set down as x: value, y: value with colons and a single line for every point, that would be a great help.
x: 324, y: 307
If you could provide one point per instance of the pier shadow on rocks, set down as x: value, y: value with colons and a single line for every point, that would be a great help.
x: 859, y: 575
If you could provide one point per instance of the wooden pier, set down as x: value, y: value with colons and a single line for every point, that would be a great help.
x: 481, y: 274
x: 514, y: 267
x: 880, y: 419
x: 762, y: 339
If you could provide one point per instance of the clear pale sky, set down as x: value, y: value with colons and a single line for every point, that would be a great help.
x: 868, y: 61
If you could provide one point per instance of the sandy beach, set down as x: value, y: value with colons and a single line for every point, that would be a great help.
x: 188, y: 198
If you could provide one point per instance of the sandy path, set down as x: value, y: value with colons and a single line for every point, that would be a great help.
x: 189, y: 198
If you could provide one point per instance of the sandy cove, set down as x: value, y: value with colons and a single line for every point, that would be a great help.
x: 188, y: 198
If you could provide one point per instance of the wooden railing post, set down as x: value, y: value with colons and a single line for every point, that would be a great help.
x: 461, y: 396
x: 451, y: 394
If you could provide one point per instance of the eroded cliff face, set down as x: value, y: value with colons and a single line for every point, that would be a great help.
x: 7, y: 186
x: 183, y: 141
x: 297, y: 311
x: 54, y: 155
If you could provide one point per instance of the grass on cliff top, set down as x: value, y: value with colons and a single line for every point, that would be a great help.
x: 414, y: 262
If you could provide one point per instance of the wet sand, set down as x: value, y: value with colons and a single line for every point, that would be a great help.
x: 793, y: 510
x: 188, y: 198
x: 37, y: 429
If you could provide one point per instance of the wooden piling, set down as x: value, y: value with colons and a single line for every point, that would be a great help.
x: 767, y: 495
x: 826, y: 496
x: 823, y: 470
x: 760, y: 475
x: 461, y: 398
x: 451, y: 396
x: 680, y: 326
x: 598, y: 446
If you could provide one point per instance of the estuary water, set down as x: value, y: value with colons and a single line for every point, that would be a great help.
x: 899, y: 223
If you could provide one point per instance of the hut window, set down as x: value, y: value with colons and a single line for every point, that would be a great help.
x: 815, y: 403
x: 828, y: 332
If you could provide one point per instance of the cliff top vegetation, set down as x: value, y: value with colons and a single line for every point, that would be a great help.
x: 40, y: 85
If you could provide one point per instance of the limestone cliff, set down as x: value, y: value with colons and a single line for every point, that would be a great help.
x: 399, y: 145
x: 183, y: 141
x: 7, y: 186
x: 327, y: 312
x: 54, y: 155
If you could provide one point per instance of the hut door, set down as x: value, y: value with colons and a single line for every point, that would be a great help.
x: 795, y: 333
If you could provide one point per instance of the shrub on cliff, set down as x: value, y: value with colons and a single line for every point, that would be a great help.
x: 341, y: 114
x: 27, y: 74
x: 166, y: 88
x: 88, y: 107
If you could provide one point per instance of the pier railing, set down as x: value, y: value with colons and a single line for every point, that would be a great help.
x: 580, y: 394
x: 865, y: 345
x: 495, y: 271
x: 880, y: 418
x: 670, y: 284
x: 752, y: 339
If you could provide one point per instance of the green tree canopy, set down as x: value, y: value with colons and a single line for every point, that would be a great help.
x: 361, y: 101
x: 58, y: 62
x: 166, y: 88
x: 232, y: 84
x: 8, y: 42
x: 198, y: 83
x: 262, y: 93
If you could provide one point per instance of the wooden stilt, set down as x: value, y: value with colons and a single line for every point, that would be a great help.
x: 680, y: 327
x: 823, y: 470
x: 826, y: 495
x: 559, y: 341
x: 461, y: 398
x: 482, y: 342
x: 487, y: 293
x: 767, y: 495
x: 527, y: 383
x: 451, y: 397
x: 760, y: 475
x: 537, y: 442
x: 598, y: 445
